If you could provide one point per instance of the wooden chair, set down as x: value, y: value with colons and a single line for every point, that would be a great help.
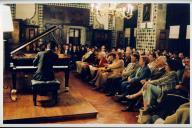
x: 45, y: 86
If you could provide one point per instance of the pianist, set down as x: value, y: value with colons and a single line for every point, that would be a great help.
x: 44, y: 62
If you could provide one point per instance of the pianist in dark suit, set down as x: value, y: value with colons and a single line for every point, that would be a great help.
x: 45, y: 61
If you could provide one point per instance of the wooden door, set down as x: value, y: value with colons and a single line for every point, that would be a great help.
x: 74, y: 36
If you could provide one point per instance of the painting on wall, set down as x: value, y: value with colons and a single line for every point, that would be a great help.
x: 146, y: 12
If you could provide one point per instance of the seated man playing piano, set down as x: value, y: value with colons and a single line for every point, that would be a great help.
x: 44, y: 62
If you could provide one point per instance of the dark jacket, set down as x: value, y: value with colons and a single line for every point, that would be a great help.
x: 127, y: 60
x: 74, y: 55
x: 157, y: 73
x: 90, y: 59
x: 45, y: 61
x: 66, y: 52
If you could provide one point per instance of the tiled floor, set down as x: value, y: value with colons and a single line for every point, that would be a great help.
x: 109, y: 112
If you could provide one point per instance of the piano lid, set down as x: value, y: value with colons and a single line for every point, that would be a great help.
x: 35, y: 39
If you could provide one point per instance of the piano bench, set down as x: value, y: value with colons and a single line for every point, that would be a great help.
x: 45, y: 86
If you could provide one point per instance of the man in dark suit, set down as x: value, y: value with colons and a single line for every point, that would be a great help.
x: 45, y: 61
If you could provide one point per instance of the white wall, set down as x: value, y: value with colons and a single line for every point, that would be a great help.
x: 25, y: 11
x: 1, y: 65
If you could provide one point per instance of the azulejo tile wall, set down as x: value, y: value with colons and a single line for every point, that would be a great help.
x: 13, y: 7
x: 38, y: 17
x: 146, y: 31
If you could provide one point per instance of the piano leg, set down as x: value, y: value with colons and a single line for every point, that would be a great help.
x: 66, y: 79
x: 13, y: 90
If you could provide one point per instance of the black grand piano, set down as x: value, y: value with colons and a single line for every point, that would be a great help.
x: 24, y: 62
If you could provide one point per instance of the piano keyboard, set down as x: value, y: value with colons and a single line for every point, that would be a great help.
x: 33, y: 67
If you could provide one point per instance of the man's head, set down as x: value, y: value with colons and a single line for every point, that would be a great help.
x: 103, y: 48
x: 101, y: 55
x: 113, y: 50
x: 111, y: 57
x: 88, y: 49
x: 74, y: 47
x: 127, y: 54
x: 181, y: 56
x: 187, y: 61
x: 170, y: 65
x: 144, y: 60
x: 134, y: 58
x: 128, y: 49
x: 161, y: 61
x: 152, y: 57
x: 66, y: 47
x: 119, y: 55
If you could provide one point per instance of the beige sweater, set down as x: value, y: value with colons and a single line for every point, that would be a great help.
x: 117, y: 66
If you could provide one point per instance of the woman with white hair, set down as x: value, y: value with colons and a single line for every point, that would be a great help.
x: 101, y: 63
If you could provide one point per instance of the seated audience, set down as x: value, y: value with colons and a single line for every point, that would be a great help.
x: 153, y: 90
x: 102, y: 61
x: 113, y: 84
x: 133, y: 84
x: 111, y: 70
x: 159, y: 70
x: 159, y: 81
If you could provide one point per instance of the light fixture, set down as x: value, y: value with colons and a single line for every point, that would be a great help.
x: 6, y: 25
x: 6, y: 22
x: 112, y: 9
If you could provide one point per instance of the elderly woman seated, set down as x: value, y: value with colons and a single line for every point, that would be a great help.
x: 102, y: 61
x: 111, y: 70
x: 101, y: 66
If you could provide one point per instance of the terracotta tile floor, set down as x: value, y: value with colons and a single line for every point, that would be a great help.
x: 109, y: 112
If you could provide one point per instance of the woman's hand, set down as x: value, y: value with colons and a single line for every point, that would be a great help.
x: 143, y: 82
x: 129, y: 79
x: 178, y: 86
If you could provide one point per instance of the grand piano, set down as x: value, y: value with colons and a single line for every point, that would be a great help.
x: 23, y: 62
